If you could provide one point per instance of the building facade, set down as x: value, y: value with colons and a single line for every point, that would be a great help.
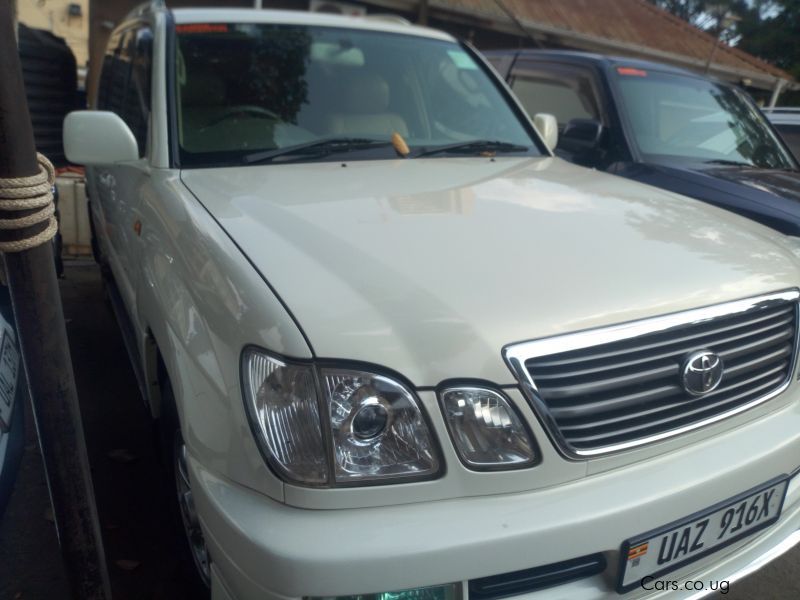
x: 68, y: 19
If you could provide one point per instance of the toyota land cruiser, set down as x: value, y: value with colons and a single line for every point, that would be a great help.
x: 396, y: 349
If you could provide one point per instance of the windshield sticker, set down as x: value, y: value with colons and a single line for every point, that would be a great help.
x: 631, y: 72
x: 462, y: 60
x: 202, y: 28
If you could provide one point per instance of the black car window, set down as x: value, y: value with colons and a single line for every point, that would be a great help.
x: 564, y: 93
x: 125, y: 81
x: 136, y: 105
x: 111, y: 88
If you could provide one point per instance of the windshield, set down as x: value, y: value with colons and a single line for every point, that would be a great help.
x: 245, y: 91
x: 675, y: 116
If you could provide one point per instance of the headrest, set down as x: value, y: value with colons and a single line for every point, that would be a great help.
x: 367, y: 93
x: 202, y: 88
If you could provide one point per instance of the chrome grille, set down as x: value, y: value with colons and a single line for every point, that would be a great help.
x: 610, y: 389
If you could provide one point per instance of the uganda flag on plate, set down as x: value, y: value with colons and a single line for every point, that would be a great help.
x: 637, y: 551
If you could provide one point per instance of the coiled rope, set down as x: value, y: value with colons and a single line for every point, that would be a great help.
x: 25, y: 194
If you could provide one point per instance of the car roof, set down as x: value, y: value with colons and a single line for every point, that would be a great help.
x: 385, y: 24
x: 587, y: 58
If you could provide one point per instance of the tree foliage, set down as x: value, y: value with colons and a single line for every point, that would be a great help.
x: 774, y: 37
x: 710, y: 15
x: 768, y: 29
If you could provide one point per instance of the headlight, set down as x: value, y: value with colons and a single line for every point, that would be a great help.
x: 282, y: 405
x: 377, y: 428
x: 486, y: 430
x: 377, y: 431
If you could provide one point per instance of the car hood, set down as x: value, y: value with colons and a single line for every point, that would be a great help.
x: 770, y: 196
x: 785, y: 184
x: 431, y: 266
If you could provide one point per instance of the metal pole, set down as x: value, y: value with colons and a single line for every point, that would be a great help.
x: 776, y: 92
x: 43, y: 341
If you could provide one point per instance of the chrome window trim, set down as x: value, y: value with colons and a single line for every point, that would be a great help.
x: 517, y: 354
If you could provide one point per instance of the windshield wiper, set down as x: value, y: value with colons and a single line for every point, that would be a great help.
x: 474, y: 146
x: 317, y: 147
x: 732, y: 163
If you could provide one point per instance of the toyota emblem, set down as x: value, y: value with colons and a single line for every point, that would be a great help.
x: 702, y: 372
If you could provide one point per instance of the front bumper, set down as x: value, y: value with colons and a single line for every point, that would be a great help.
x: 264, y: 549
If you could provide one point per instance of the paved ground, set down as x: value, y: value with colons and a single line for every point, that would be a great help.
x: 138, y: 534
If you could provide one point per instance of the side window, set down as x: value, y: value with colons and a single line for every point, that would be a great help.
x: 571, y: 92
x: 125, y: 81
x: 565, y: 95
x: 108, y: 73
x: 135, y: 109
x: 790, y: 135
x: 119, y: 76
x: 501, y: 63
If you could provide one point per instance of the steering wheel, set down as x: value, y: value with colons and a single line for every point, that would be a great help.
x: 256, y: 111
x: 481, y: 121
x: 474, y: 122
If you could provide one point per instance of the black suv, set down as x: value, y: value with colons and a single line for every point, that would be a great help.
x: 661, y: 125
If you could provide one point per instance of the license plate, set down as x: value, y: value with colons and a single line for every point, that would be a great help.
x: 672, y: 546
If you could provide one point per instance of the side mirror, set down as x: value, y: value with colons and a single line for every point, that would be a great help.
x: 547, y: 126
x: 581, y: 135
x: 97, y: 137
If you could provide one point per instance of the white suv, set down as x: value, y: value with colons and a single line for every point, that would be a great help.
x: 396, y: 349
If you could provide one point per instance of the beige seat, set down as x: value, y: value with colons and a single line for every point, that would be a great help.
x: 364, y: 110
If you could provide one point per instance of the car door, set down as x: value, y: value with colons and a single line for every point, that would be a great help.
x: 125, y: 90
x: 571, y: 93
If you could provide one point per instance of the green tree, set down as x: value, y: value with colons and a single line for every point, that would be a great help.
x: 768, y: 29
x: 709, y: 15
x: 774, y: 38
x: 688, y: 10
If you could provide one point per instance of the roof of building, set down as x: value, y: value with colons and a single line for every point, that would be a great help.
x: 620, y: 26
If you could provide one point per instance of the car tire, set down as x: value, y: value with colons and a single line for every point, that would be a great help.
x: 195, y: 562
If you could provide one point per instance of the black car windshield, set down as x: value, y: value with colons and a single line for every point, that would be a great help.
x: 245, y: 91
x: 677, y: 116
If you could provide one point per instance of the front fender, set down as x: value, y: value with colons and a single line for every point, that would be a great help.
x: 202, y: 302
